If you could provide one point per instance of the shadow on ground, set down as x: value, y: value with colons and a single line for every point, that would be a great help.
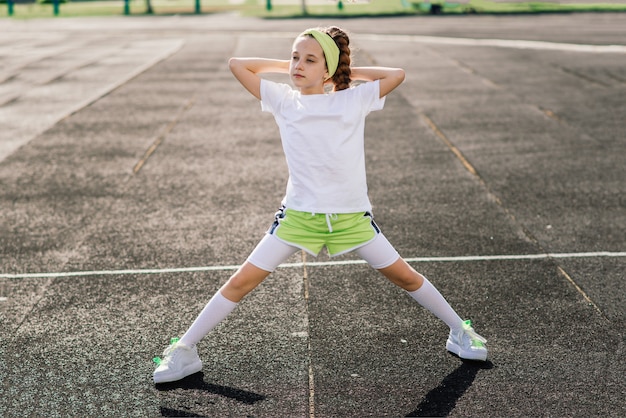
x: 441, y: 401
x: 196, y: 382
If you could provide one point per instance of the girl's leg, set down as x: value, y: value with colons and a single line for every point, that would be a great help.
x: 224, y: 302
x: 381, y: 255
x: 463, y: 340
x: 268, y: 254
x: 420, y: 289
x: 181, y: 358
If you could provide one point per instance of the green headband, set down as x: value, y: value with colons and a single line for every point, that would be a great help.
x: 330, y: 48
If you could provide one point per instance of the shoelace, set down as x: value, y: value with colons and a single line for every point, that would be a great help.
x: 159, y: 360
x: 476, y: 339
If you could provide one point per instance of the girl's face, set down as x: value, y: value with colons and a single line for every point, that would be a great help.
x: 308, y: 66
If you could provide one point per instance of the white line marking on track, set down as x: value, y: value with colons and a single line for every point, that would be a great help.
x: 442, y: 40
x: 313, y: 264
x: 502, y: 43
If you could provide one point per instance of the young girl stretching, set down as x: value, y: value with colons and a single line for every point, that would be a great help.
x: 326, y: 203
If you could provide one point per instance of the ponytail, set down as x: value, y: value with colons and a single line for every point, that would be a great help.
x: 341, y: 79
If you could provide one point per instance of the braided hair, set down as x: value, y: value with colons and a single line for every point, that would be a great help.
x: 341, y: 79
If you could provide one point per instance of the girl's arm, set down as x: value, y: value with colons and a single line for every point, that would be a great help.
x: 390, y: 78
x: 246, y: 70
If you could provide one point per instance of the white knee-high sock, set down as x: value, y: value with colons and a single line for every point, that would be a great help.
x: 430, y: 298
x: 213, y: 313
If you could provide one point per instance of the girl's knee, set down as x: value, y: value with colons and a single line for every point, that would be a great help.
x: 243, y: 281
x: 410, y: 282
x: 403, y: 275
x: 236, y: 289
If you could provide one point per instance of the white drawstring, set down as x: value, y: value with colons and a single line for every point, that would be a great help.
x: 329, y: 217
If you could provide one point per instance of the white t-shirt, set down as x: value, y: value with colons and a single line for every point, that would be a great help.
x: 323, y: 141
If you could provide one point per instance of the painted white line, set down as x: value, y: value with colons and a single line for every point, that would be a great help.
x: 471, y: 258
x: 312, y: 264
x: 115, y: 272
x: 442, y: 40
x: 502, y: 43
x: 523, y: 256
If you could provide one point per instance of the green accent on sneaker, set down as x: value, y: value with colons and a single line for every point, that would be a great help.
x: 159, y: 360
x: 477, y: 340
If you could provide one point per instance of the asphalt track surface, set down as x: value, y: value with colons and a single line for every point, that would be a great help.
x: 136, y: 174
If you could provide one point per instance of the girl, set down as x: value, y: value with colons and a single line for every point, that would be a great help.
x: 326, y: 203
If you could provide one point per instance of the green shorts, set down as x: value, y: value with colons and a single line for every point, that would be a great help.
x: 339, y: 233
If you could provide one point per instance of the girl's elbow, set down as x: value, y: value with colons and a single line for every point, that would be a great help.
x: 400, y: 75
x: 233, y: 63
x: 396, y: 78
x: 237, y: 66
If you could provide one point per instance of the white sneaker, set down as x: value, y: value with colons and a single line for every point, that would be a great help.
x: 178, y: 361
x: 466, y: 344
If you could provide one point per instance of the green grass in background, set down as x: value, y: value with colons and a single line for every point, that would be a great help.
x: 258, y: 8
x: 486, y: 6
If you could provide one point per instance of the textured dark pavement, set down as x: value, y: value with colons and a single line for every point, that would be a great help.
x: 136, y: 174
